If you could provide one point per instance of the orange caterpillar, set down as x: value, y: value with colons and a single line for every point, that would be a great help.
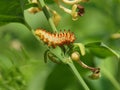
x: 55, y: 39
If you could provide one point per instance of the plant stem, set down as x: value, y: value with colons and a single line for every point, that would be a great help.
x: 47, y: 14
x: 70, y: 63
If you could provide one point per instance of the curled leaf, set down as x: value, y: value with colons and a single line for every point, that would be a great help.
x: 101, y: 50
x: 81, y: 47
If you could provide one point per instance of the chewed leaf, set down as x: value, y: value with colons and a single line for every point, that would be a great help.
x: 101, y: 50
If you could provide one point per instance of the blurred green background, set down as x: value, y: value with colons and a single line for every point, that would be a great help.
x: 22, y: 64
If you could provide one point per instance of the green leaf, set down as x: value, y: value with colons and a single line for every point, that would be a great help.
x: 49, y: 1
x: 57, y: 52
x: 12, y: 11
x: 101, y: 50
x: 29, y: 5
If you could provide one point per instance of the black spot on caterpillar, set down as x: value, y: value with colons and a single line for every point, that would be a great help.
x: 55, y: 39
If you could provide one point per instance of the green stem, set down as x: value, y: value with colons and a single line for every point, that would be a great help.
x: 47, y: 14
x: 75, y: 71
x: 70, y: 63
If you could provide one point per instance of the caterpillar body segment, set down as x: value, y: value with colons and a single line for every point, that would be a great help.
x: 55, y: 39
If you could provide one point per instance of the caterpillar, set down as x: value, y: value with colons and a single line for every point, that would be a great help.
x: 55, y: 39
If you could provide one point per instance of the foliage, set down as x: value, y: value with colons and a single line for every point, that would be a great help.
x: 22, y: 64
